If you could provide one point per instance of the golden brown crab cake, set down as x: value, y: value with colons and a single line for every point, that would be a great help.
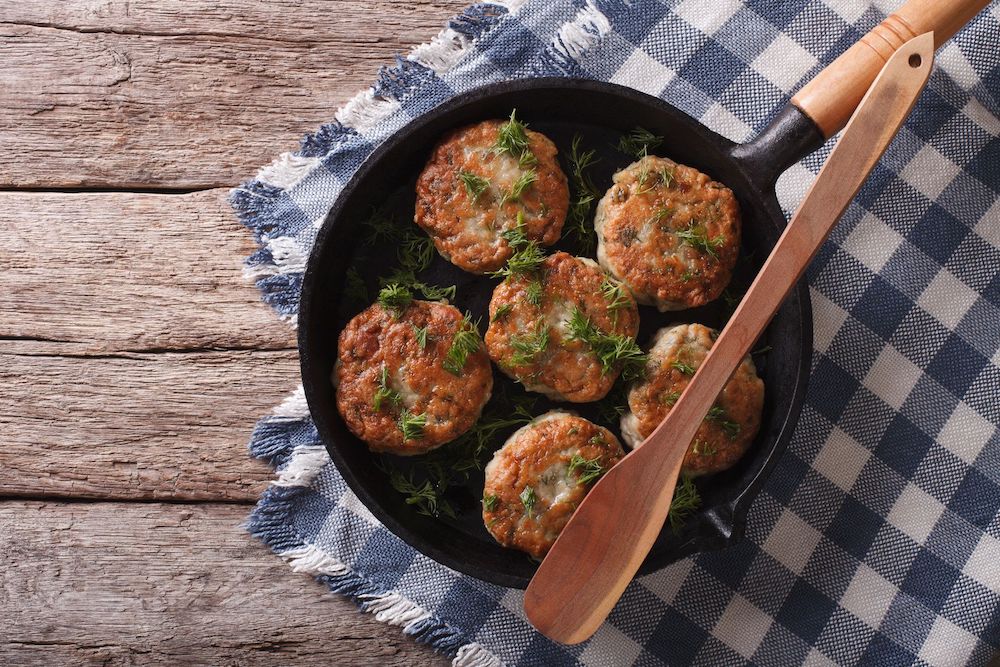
x: 410, y: 380
x: 539, y: 477
x: 535, y: 322
x: 730, y: 425
x: 477, y: 181
x: 669, y: 232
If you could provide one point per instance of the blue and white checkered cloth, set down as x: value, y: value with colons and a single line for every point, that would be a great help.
x: 877, y: 539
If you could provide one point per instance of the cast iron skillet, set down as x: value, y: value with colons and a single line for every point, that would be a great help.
x: 600, y: 113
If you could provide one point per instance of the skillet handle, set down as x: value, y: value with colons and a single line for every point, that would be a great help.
x: 831, y: 98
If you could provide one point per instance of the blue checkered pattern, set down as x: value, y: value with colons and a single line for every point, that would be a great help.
x: 877, y: 539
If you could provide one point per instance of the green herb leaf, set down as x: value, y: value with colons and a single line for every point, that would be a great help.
x: 527, y: 346
x: 396, y: 298
x: 718, y: 415
x: 670, y: 398
x: 426, y: 497
x: 528, y: 499
x: 354, y: 288
x: 587, y: 470
x: 512, y: 138
x: 412, y: 425
x: 686, y: 502
x: 610, y: 349
x: 475, y: 185
x: 639, y: 142
x: 502, y: 312
x: 533, y: 292
x: 684, y: 368
x: 385, y: 392
x: 585, y: 195
x: 696, y: 236
x: 490, y: 502
x: 466, y: 341
x: 421, y: 335
x: 703, y: 448
x: 615, y: 295
x: 523, y: 182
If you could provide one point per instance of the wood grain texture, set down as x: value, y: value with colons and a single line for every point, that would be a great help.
x: 123, y: 584
x: 125, y: 94
x: 106, y: 272
x: 606, y: 539
x: 136, y: 426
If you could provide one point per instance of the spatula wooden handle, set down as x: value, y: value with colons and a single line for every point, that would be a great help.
x: 611, y: 532
x: 831, y: 97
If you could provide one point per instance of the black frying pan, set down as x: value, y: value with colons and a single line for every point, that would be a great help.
x: 600, y: 113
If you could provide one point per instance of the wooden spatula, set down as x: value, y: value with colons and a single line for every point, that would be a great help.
x: 611, y: 532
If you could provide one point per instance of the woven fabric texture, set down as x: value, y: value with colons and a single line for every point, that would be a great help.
x: 876, y: 540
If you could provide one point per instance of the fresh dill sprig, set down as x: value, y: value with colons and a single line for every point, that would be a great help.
x: 525, y: 261
x: 696, y: 236
x: 703, y: 448
x: 502, y: 312
x: 588, y: 470
x: 354, y: 287
x: 490, y: 502
x: 718, y: 415
x: 416, y: 252
x: 615, y: 404
x: 615, y: 295
x: 466, y: 341
x: 585, y: 195
x: 528, y: 499
x: 639, y: 142
x: 529, y: 345
x: 420, y: 333
x: 426, y: 497
x: 523, y: 182
x: 412, y: 425
x: 686, y: 502
x: 683, y: 367
x: 475, y: 184
x: 395, y: 297
x: 512, y: 138
x: 385, y: 392
x: 382, y: 225
x: 435, y: 292
x: 533, y: 292
x: 670, y: 398
x: 610, y: 349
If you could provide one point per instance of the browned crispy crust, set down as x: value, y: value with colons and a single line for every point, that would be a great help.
x: 466, y: 230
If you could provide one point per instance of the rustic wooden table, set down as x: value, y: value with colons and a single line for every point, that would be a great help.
x: 134, y: 358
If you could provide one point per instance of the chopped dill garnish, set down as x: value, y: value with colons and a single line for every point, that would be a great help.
x: 526, y: 260
x: 528, y: 499
x: 615, y: 295
x: 385, y: 392
x: 718, y: 415
x: 502, y: 312
x: 382, y: 225
x: 354, y: 288
x: 465, y: 342
x: 703, y: 448
x: 412, y: 425
x: 523, y: 182
x: 615, y: 404
x: 529, y: 345
x: 434, y: 292
x: 686, y: 502
x: 670, y: 398
x: 533, y: 292
x: 395, y: 297
x: 475, y: 185
x: 421, y: 335
x: 490, y: 502
x: 639, y: 142
x: 686, y: 369
x: 666, y: 176
x: 416, y: 252
x: 587, y: 470
x: 696, y: 236
x: 512, y: 138
x: 426, y: 497
x: 610, y: 349
x: 585, y: 195
x: 687, y: 275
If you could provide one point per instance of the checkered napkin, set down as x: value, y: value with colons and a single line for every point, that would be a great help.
x: 877, y: 539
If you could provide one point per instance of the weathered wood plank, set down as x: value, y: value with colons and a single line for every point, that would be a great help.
x: 123, y: 584
x: 135, y: 426
x: 117, y: 93
x: 122, y: 271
